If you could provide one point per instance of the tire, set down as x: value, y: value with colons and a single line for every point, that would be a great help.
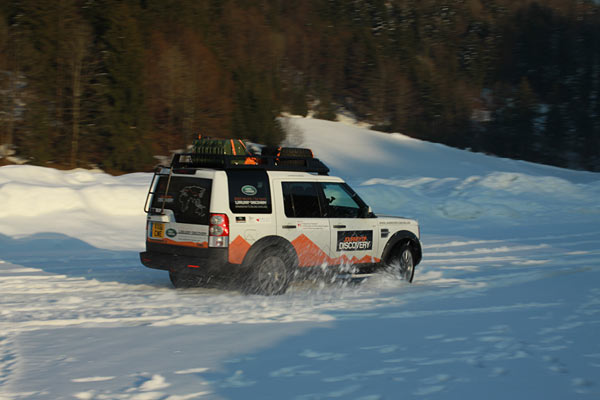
x: 269, y: 151
x: 296, y: 152
x: 270, y: 273
x: 274, y: 151
x: 181, y: 280
x: 401, y: 262
x: 280, y: 153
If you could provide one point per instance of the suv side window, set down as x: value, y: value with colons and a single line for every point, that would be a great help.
x: 301, y: 200
x: 342, y: 202
x: 249, y: 192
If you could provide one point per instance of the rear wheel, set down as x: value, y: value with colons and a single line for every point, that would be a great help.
x: 269, y: 275
x: 182, y: 281
x: 401, y: 263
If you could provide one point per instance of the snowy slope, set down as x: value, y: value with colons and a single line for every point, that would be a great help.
x: 439, y: 184
x: 506, y: 303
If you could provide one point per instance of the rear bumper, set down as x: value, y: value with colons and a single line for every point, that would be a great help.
x: 176, y: 258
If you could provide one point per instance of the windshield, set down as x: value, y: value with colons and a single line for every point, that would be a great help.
x: 342, y: 201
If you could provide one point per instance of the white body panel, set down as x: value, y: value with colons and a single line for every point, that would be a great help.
x: 317, y: 240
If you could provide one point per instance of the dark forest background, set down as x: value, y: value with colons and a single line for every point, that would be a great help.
x: 111, y: 83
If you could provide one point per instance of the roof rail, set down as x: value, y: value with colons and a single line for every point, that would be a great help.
x: 261, y: 162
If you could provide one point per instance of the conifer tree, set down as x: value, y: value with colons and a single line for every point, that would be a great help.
x: 124, y: 116
x: 255, y: 112
x: 94, y: 80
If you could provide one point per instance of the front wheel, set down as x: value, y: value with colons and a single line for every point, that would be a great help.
x: 401, y: 263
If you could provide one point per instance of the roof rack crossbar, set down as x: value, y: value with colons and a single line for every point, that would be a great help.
x: 270, y: 163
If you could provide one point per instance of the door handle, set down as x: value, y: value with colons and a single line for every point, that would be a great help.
x: 339, y: 226
x: 289, y: 226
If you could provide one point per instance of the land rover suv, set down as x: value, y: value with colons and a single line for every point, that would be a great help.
x: 258, y: 222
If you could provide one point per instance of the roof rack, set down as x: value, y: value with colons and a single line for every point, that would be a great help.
x: 250, y: 162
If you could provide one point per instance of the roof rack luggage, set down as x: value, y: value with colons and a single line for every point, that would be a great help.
x: 233, y: 154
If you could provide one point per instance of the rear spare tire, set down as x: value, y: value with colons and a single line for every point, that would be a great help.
x: 181, y: 280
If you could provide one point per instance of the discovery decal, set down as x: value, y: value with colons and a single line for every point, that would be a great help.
x: 310, y: 255
x: 354, y: 240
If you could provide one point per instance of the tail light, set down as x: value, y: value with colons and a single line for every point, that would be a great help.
x: 218, y: 231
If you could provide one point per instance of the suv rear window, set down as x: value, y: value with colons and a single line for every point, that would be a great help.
x: 249, y: 192
x: 188, y: 198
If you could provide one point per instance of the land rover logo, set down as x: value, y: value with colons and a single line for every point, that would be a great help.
x: 249, y: 190
x: 171, y: 232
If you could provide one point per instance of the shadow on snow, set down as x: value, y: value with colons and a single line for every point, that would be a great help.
x: 56, y: 253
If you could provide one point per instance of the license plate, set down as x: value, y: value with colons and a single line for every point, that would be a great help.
x: 158, y: 230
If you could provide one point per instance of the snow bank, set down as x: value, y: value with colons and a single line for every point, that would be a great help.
x: 105, y: 211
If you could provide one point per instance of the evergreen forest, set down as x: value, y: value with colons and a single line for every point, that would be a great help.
x: 110, y: 83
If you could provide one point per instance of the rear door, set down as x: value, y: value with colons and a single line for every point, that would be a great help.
x: 301, y: 220
x: 186, y: 205
x: 251, y: 207
x: 353, y: 232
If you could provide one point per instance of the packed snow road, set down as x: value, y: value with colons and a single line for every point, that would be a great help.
x: 505, y: 304
x: 84, y: 286
x: 479, y: 312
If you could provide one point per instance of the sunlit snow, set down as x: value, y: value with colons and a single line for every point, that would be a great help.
x: 505, y: 304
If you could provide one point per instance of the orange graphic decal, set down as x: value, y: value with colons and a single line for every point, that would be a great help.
x: 345, y: 260
x: 237, y: 250
x: 309, y: 253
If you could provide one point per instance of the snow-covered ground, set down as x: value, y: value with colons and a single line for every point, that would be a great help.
x: 506, y: 303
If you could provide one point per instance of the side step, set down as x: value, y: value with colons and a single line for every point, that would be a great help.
x: 354, y: 277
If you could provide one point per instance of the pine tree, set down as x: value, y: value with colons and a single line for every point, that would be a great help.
x: 124, y: 118
x: 8, y: 84
x: 255, y: 112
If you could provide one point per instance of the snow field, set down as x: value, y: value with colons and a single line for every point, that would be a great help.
x: 463, y: 328
x: 506, y: 303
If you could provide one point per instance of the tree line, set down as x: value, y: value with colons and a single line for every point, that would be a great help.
x: 113, y: 82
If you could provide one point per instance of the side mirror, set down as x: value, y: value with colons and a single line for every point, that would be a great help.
x: 367, y: 212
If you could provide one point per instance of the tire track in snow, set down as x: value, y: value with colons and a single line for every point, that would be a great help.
x: 34, y: 299
x: 8, y: 359
x: 37, y: 299
x: 482, y: 264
